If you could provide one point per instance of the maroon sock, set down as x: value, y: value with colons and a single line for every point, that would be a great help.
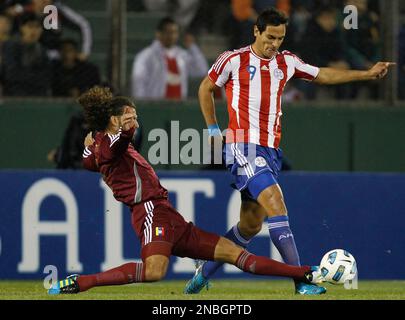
x: 265, y: 266
x: 127, y: 273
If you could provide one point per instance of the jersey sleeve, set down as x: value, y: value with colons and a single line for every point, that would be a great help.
x: 221, y: 69
x: 114, y: 145
x: 304, y: 71
x: 89, y: 159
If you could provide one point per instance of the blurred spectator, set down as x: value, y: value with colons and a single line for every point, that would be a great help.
x: 299, y: 18
x: 401, y: 63
x: 13, y: 8
x: 26, y: 70
x: 162, y: 69
x: 244, y: 17
x: 182, y: 11
x: 67, y: 19
x: 323, y: 45
x: 363, y: 45
x: 5, y: 28
x: 71, y: 76
x: 213, y: 17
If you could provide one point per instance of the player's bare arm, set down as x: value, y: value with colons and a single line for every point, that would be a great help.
x: 331, y: 76
x: 207, y: 104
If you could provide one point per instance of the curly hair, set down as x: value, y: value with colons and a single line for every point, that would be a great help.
x: 99, y: 105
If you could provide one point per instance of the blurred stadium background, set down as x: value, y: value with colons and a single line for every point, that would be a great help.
x: 344, y: 181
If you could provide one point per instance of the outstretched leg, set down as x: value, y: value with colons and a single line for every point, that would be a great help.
x: 153, y: 269
x: 250, y: 224
x: 226, y: 251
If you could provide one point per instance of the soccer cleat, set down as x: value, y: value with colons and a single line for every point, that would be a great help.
x: 315, y: 275
x: 309, y: 287
x: 66, y: 286
x: 198, y: 282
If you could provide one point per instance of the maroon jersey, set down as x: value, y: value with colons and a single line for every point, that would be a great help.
x: 124, y: 170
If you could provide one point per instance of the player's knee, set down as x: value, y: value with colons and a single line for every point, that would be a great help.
x: 275, y: 198
x: 155, y: 273
x: 273, y: 201
x: 156, y: 267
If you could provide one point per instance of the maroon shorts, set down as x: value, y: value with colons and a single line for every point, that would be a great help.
x: 165, y: 232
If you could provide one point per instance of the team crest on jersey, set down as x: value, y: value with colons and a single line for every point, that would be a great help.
x: 260, y: 162
x: 279, y: 74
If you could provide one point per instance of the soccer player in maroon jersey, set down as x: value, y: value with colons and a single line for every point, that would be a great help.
x: 254, y: 78
x: 161, y: 229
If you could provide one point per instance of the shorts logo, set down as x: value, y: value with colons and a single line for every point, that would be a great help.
x: 260, y: 162
x: 279, y: 74
x: 285, y: 236
x: 160, y: 231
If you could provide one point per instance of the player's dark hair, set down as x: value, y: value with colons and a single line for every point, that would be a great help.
x: 270, y: 17
x: 164, y: 22
x: 99, y: 105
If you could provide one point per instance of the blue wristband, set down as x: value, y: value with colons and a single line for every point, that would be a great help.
x: 213, y: 130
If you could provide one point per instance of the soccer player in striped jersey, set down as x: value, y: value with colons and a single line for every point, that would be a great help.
x: 161, y: 229
x: 254, y: 78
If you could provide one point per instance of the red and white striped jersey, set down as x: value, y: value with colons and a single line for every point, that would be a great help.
x: 254, y: 87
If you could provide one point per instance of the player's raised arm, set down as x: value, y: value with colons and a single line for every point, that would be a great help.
x: 114, y: 118
x: 337, y: 76
x: 115, y: 144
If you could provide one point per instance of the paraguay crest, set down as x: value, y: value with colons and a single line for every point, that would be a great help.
x: 260, y: 162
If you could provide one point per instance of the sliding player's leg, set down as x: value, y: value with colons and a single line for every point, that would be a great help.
x: 250, y: 224
x: 198, y: 244
x: 228, y: 252
x: 152, y: 268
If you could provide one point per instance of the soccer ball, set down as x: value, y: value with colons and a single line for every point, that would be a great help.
x: 338, y: 266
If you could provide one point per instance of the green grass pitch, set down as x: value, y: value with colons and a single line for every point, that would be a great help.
x: 220, y: 290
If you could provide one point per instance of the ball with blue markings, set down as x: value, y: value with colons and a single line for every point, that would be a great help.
x: 338, y: 266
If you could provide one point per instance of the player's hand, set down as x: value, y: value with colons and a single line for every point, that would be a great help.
x: 88, y: 141
x: 128, y: 119
x: 380, y: 70
x: 215, y: 141
x: 214, y: 135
